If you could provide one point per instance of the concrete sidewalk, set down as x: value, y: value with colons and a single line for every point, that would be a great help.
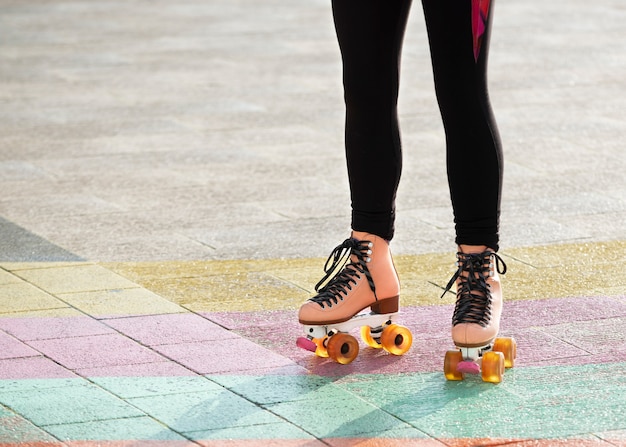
x: 172, y: 179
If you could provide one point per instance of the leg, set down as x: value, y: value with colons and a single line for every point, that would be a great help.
x: 459, y: 32
x: 360, y: 272
x: 474, y: 156
x: 370, y: 34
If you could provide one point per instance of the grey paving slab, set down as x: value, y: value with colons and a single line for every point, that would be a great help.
x: 203, y: 130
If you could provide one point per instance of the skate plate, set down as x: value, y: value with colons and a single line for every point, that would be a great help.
x: 489, y: 361
x: 369, y: 319
x: 377, y: 331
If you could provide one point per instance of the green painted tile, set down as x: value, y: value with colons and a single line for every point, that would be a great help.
x: 132, y: 387
x: 192, y: 412
x: 135, y: 428
x: 338, y: 414
x: 30, y: 385
x: 531, y: 402
x: 66, y: 405
x: 274, y: 389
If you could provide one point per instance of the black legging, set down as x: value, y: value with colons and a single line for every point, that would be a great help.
x: 370, y: 35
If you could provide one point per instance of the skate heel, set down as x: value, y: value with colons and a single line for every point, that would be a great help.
x: 386, y: 306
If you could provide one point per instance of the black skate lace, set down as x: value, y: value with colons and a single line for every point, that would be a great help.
x: 473, y: 304
x: 331, y: 289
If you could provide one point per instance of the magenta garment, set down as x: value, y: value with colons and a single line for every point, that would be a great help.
x: 480, y: 13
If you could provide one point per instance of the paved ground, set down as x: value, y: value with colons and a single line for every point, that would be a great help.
x: 172, y: 176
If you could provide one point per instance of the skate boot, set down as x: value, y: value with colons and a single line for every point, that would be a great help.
x: 360, y: 289
x: 476, y: 319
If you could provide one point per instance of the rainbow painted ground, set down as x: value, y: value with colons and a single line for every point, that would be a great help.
x: 203, y: 353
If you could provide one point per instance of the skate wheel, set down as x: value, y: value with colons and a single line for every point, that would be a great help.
x: 342, y: 348
x: 493, y: 367
x: 321, y: 350
x: 366, y: 335
x: 450, y: 365
x: 508, y: 347
x: 396, y: 339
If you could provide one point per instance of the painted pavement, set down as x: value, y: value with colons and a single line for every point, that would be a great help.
x: 188, y: 353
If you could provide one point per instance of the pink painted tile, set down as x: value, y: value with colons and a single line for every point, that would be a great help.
x: 602, y: 336
x: 32, y: 368
x: 535, y: 347
x: 96, y: 351
x: 49, y: 327
x: 170, y: 328
x: 10, y: 347
x: 221, y: 356
x: 239, y: 320
x: 534, y: 313
x: 160, y: 369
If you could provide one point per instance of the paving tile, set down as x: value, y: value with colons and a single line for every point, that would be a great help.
x: 264, y: 390
x: 32, y: 368
x: 166, y: 329
x: 340, y: 415
x: 537, y: 347
x: 15, y: 430
x: 223, y: 356
x: 42, y: 328
x: 604, y: 336
x: 120, y: 302
x: 8, y: 278
x: 75, y: 278
x: 129, y: 428
x: 17, y: 297
x: 199, y: 411
x: 266, y: 434
x: 66, y: 405
x: 162, y: 368
x: 548, y: 312
x: 95, y: 351
x: 27, y: 385
x: 530, y: 403
x: 386, y: 442
x: 10, y: 348
x: 131, y: 387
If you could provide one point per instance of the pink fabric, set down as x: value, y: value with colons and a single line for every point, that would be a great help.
x: 480, y: 12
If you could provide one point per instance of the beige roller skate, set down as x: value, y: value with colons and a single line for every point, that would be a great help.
x: 476, y: 320
x: 360, y: 289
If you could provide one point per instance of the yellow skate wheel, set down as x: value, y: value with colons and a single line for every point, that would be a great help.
x: 450, y: 363
x: 321, y: 350
x: 342, y: 348
x: 396, y: 339
x: 508, y: 347
x: 493, y: 367
x: 366, y: 335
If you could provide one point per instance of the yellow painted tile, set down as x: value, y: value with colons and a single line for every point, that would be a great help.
x: 74, y: 278
x: 15, y: 266
x: 247, y: 285
x: 587, y: 254
x: 116, y: 302
x: 20, y: 297
x: 8, y: 278
x: 250, y: 290
x: 46, y: 313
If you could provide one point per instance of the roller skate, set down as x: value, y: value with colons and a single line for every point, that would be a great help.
x: 360, y: 288
x: 476, y: 320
